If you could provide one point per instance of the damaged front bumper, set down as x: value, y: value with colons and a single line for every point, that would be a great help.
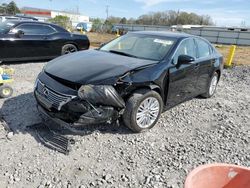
x: 93, y: 105
x: 77, y: 120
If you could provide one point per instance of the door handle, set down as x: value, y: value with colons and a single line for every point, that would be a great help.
x: 45, y: 38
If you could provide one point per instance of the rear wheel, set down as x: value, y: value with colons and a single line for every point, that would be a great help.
x: 68, y: 49
x: 212, y: 86
x: 5, y: 91
x: 143, y: 110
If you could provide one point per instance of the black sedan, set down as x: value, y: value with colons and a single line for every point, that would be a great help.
x: 135, y: 77
x: 30, y: 40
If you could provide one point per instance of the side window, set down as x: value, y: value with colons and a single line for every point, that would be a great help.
x: 203, y: 48
x: 26, y: 28
x: 47, y: 30
x: 35, y: 29
x: 187, y: 47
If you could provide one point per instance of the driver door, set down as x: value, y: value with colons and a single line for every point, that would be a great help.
x: 32, y: 44
x: 12, y: 47
x: 183, y: 77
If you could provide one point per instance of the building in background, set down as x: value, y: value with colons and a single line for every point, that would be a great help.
x: 45, y: 14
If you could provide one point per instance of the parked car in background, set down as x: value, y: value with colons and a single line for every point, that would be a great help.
x: 29, y: 40
x: 4, y: 18
x: 84, y: 26
x: 119, y: 30
x: 135, y: 76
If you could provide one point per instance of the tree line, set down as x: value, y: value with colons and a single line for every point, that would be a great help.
x: 165, y: 18
x: 10, y: 8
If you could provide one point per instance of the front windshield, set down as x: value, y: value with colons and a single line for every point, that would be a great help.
x: 140, y: 46
x: 5, y: 26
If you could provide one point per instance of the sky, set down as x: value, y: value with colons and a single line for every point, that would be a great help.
x: 223, y: 12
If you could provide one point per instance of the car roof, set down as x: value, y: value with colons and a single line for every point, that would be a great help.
x: 164, y: 34
x: 15, y: 22
x: 31, y: 21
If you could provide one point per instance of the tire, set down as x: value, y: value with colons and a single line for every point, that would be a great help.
x: 211, y: 88
x: 5, y: 91
x: 132, y: 115
x: 68, y: 49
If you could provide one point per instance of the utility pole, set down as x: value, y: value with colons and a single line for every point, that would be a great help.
x: 107, y: 10
x: 243, y: 23
x: 50, y: 5
x: 77, y: 9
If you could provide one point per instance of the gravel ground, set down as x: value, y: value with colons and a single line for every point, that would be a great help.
x: 197, y: 132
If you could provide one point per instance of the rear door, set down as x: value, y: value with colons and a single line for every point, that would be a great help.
x: 183, y: 78
x: 206, y: 60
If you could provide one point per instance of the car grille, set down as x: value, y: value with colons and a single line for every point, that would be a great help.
x: 55, y: 98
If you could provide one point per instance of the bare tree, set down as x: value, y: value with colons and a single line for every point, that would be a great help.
x: 168, y: 18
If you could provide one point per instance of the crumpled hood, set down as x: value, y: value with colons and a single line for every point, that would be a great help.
x: 90, y: 66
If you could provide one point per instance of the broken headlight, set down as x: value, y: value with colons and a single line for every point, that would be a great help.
x: 101, y: 95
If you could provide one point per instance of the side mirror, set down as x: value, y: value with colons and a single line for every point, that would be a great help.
x: 19, y: 34
x: 185, y: 59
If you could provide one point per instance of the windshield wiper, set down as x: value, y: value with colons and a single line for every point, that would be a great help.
x: 122, y: 53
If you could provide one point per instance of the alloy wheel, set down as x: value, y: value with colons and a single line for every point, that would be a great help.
x: 70, y: 50
x: 213, y: 85
x: 147, y: 112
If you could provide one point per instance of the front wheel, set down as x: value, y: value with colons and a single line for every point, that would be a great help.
x: 143, y: 109
x: 68, y: 49
x: 5, y: 91
x: 212, y: 86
